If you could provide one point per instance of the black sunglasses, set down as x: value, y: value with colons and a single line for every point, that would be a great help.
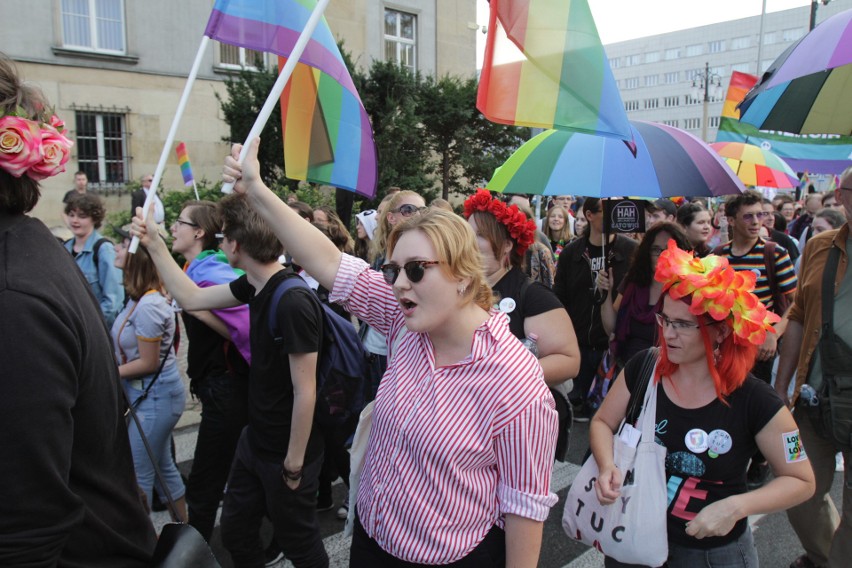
x: 414, y: 270
x: 408, y: 210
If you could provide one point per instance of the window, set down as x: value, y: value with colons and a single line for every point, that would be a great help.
x: 669, y: 102
x: 631, y: 105
x: 691, y: 100
x: 692, y: 123
x: 769, y: 38
x: 652, y: 57
x: 792, y: 34
x: 96, y: 25
x: 632, y: 60
x: 102, y: 147
x: 673, y: 123
x: 615, y: 62
x: 672, y: 53
x: 693, y: 50
x: 401, y: 39
x: 741, y: 67
x: 716, y: 46
x: 652, y: 103
x: 672, y: 77
x: 713, y: 121
x: 652, y: 80
x: 239, y: 57
x: 718, y: 70
x: 631, y: 83
x: 741, y: 42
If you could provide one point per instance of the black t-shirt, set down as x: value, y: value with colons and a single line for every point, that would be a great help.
x: 708, y: 450
x: 270, y: 384
x: 537, y: 299
x: 210, y: 354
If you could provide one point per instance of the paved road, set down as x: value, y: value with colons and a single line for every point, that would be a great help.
x: 777, y: 545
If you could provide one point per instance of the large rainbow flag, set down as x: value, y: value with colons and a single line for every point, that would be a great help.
x: 328, y: 138
x: 545, y: 67
x: 814, y: 153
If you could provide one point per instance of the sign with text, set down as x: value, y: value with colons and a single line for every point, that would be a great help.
x: 624, y: 216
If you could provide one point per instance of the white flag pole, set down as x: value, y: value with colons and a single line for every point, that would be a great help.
x: 281, y: 82
x: 194, y: 186
x: 161, y: 165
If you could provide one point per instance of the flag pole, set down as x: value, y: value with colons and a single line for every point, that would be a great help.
x: 161, y: 165
x: 194, y: 186
x: 281, y: 82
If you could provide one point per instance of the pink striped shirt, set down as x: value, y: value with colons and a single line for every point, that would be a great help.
x: 452, y: 449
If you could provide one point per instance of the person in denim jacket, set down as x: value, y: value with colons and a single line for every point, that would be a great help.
x: 85, y: 214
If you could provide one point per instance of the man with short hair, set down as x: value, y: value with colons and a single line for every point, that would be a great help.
x: 825, y: 536
x: 801, y: 224
x: 786, y: 206
x: 830, y: 201
x: 279, y: 456
x: 778, y: 236
x: 659, y: 211
x: 137, y: 199
x: 81, y: 185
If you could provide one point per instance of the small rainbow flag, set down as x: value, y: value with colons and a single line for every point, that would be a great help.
x: 545, y: 67
x: 183, y: 162
x: 327, y: 134
x: 741, y: 83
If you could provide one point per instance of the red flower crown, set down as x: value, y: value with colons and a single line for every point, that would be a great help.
x: 521, y: 229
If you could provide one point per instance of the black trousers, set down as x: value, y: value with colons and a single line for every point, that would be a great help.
x: 224, y: 414
x: 255, y: 488
x: 366, y: 552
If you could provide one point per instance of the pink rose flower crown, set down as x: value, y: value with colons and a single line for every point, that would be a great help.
x: 37, y: 148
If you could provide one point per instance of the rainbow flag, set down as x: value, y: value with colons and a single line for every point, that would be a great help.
x: 545, y: 67
x: 183, y: 162
x: 328, y: 138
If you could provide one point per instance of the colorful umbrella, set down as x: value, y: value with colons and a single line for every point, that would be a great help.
x: 756, y: 166
x: 807, y: 89
x: 668, y: 162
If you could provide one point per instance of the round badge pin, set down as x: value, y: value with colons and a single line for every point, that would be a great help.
x: 719, y: 442
x: 696, y: 440
x: 507, y: 305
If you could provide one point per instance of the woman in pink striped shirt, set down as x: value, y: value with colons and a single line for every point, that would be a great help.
x: 458, y: 465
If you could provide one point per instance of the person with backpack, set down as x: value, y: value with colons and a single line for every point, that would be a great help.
x: 460, y: 454
x: 818, y: 348
x: 276, y: 467
x: 94, y: 253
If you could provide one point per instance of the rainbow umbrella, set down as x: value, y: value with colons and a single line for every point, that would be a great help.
x: 667, y: 162
x: 807, y: 89
x: 756, y: 166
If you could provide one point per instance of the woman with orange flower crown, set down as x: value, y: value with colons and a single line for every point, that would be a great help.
x: 711, y: 415
x: 535, y: 314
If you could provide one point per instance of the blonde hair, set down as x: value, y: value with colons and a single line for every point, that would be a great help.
x: 455, y: 246
x: 564, y: 234
x: 379, y: 243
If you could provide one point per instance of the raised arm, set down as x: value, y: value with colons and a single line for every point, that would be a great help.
x: 189, y: 295
x: 309, y: 248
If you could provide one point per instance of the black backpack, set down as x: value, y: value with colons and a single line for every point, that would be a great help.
x: 95, y: 251
x: 341, y: 368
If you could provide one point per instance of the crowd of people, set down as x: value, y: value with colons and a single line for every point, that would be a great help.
x: 485, y: 333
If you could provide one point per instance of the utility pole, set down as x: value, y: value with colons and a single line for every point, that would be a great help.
x: 814, y: 5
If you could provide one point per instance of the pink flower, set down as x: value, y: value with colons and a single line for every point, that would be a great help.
x: 20, y: 144
x: 57, y: 123
x: 56, y: 149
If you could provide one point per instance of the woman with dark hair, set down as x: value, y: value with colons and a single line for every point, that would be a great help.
x: 143, y: 335
x: 696, y: 221
x: 711, y: 415
x: 327, y: 217
x: 217, y: 359
x: 93, y: 253
x: 628, y: 315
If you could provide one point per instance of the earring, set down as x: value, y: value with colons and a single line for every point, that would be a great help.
x: 462, y: 289
x: 717, y: 353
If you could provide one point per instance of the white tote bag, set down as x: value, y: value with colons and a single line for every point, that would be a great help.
x: 633, y: 529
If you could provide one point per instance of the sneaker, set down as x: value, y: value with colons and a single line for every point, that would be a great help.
x: 838, y: 462
x: 581, y: 412
x: 273, y: 554
x: 803, y: 562
x: 757, y: 475
x: 343, y: 511
x: 325, y: 503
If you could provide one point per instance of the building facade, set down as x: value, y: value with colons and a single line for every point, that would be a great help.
x: 115, y: 70
x: 662, y: 78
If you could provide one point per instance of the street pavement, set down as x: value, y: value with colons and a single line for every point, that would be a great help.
x: 776, y: 543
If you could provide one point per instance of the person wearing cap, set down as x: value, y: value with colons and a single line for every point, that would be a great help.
x: 365, y: 228
x: 660, y: 211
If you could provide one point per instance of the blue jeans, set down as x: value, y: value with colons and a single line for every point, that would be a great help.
x: 740, y: 553
x: 224, y: 414
x: 158, y: 415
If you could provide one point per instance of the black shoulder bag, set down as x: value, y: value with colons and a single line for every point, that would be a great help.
x: 835, y: 395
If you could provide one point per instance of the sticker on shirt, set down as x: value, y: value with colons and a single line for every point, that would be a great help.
x: 794, y: 451
x: 696, y: 440
x: 507, y: 305
x: 685, y: 464
x: 718, y: 442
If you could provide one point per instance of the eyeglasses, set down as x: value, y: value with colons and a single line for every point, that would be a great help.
x: 677, y: 325
x: 749, y: 217
x: 414, y: 270
x: 187, y: 223
x: 408, y: 210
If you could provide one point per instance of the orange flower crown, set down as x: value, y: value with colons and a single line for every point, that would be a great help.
x: 521, y: 229
x: 718, y: 291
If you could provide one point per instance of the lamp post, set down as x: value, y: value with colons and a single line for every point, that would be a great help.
x: 702, y: 80
x: 814, y: 5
